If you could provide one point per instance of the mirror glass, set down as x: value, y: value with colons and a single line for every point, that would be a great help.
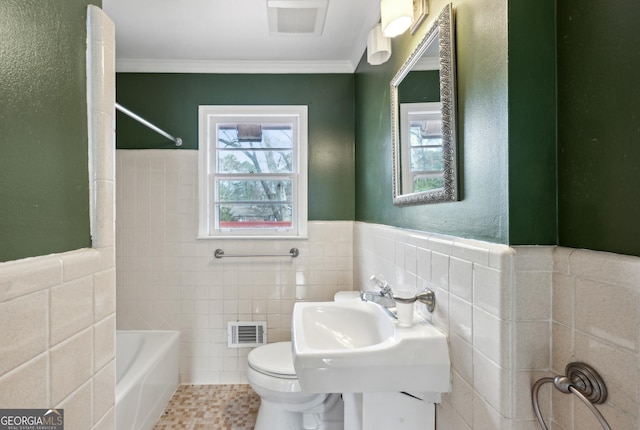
x: 423, y: 118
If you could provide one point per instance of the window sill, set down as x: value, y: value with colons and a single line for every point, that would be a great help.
x: 274, y: 237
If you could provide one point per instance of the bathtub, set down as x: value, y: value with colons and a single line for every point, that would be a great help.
x: 147, y: 375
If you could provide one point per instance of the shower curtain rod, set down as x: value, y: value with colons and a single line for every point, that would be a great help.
x: 143, y: 121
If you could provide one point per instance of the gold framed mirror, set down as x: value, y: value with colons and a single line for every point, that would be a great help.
x: 424, y: 120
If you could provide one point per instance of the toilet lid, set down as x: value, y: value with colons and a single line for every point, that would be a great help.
x: 273, y: 359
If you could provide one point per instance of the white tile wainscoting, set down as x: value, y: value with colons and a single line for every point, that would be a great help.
x: 500, y: 305
x: 514, y: 315
x: 596, y: 319
x: 57, y: 342
x: 168, y: 279
x: 494, y: 303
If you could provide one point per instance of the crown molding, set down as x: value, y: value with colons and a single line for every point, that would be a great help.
x: 249, y: 67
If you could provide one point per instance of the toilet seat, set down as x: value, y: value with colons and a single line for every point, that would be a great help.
x: 273, y: 359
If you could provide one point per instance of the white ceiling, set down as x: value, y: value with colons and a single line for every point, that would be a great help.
x: 232, y: 36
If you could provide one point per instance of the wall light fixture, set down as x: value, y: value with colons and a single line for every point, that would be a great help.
x: 396, y: 16
x: 378, y: 46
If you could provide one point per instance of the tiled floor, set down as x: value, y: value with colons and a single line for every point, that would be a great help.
x: 210, y: 407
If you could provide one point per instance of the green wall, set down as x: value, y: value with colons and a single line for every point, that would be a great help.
x: 44, y: 181
x: 420, y: 87
x: 552, y: 112
x: 510, y: 185
x: 506, y: 127
x: 482, y: 212
x: 171, y: 102
x: 532, y: 123
x: 599, y: 125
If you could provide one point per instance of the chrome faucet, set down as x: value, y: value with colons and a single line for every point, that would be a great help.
x: 383, y: 297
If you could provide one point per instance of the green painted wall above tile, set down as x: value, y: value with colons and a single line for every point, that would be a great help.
x: 532, y: 123
x: 599, y: 125
x: 506, y: 128
x: 171, y: 102
x: 420, y: 87
x: 44, y: 181
x: 482, y: 212
x: 524, y: 179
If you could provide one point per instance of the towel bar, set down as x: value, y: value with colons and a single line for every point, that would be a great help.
x: 293, y: 253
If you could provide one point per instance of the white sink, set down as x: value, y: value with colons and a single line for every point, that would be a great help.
x: 340, y: 327
x: 355, y: 347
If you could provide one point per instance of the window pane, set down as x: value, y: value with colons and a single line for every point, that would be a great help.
x: 427, y: 159
x: 252, y: 161
x: 245, y: 190
x: 427, y: 184
x: 270, y: 215
x: 253, y: 171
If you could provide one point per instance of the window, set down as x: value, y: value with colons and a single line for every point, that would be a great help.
x: 422, y: 164
x: 253, y: 171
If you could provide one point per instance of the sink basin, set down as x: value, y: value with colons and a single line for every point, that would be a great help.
x: 343, y: 327
x: 355, y: 347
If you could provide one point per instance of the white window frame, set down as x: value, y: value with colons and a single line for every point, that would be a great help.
x: 409, y: 112
x: 207, y: 115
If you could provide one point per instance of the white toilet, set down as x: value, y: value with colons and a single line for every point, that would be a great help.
x: 283, y: 405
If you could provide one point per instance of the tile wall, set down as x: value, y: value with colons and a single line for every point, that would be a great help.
x: 57, y: 315
x: 494, y: 303
x: 596, y: 319
x: 499, y: 305
x: 57, y: 312
x: 515, y: 315
x: 167, y: 279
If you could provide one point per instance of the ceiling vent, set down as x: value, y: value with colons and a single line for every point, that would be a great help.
x: 296, y: 17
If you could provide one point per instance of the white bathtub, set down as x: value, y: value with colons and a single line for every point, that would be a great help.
x: 147, y: 375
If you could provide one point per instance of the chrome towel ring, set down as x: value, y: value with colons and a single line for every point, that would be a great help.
x: 581, y: 380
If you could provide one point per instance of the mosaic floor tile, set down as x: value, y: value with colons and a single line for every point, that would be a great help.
x: 210, y: 407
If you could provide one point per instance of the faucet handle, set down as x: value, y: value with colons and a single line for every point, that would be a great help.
x: 379, y: 282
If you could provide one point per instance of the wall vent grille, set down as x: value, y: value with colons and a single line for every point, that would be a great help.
x: 246, y: 334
